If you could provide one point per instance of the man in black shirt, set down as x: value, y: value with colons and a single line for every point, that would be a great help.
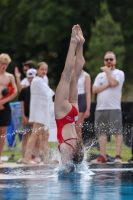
x: 24, y: 98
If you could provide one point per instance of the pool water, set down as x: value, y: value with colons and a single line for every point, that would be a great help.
x: 110, y: 182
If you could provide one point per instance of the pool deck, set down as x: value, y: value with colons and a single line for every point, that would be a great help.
x: 15, y: 165
x: 91, y: 166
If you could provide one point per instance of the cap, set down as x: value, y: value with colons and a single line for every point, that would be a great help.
x: 31, y: 73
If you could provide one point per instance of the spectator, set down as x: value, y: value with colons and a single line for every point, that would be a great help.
x: 108, y: 118
x: 24, y: 98
x: 41, y: 99
x: 24, y: 83
x: 8, y: 91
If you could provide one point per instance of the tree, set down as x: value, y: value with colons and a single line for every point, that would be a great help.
x: 106, y: 36
x: 122, y: 12
x: 40, y: 30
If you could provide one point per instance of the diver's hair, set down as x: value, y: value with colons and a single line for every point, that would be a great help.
x: 69, y: 167
x: 78, y: 156
x: 4, y: 57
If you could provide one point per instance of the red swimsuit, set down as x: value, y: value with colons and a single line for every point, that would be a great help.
x: 72, y: 118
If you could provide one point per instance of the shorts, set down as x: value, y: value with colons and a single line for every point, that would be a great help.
x: 82, y: 102
x: 108, y: 122
x: 5, y: 115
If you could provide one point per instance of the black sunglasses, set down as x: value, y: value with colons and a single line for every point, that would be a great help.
x: 110, y: 59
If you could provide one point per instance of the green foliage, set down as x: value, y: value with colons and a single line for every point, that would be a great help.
x: 122, y: 12
x: 106, y: 36
x: 40, y: 30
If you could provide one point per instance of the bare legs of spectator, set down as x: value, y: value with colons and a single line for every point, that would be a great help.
x: 2, y: 140
x: 38, y: 129
x: 44, y: 146
x: 24, y: 143
x: 102, y: 144
x: 36, y: 151
x: 118, y: 142
x: 103, y: 141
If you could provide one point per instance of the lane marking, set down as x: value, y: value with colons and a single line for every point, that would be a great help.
x: 111, y: 170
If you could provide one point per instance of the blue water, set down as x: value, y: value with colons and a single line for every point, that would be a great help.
x: 109, y: 182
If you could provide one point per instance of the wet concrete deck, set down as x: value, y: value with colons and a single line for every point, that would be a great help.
x: 90, y: 165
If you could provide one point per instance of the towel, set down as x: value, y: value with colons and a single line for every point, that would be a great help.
x: 41, y: 101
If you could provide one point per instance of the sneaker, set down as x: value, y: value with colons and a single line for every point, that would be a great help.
x: 110, y: 159
x: 100, y: 159
x: 20, y: 161
x: 118, y: 159
x: 130, y: 160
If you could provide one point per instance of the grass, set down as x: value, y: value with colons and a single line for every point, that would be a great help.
x: 126, y: 152
x: 16, y: 151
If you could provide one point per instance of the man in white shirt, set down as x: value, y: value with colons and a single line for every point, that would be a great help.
x: 24, y: 83
x: 108, y: 118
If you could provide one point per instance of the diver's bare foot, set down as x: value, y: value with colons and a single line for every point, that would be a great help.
x: 80, y: 34
x: 29, y: 162
x: 55, y: 162
x: 74, y: 36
